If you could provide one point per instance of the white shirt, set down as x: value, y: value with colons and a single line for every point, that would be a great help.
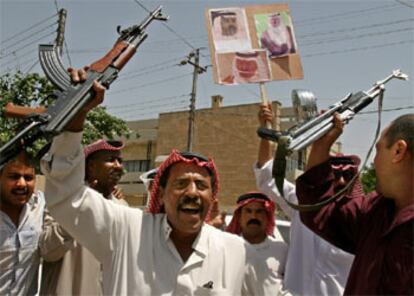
x: 19, y: 255
x: 134, y: 247
x: 273, y: 253
x: 313, y: 266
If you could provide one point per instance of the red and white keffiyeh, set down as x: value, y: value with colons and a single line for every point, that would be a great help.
x: 234, y: 226
x: 154, y: 205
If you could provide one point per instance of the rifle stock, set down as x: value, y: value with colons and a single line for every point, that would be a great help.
x: 13, y: 111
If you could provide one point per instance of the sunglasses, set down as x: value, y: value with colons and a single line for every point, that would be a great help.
x: 347, y: 175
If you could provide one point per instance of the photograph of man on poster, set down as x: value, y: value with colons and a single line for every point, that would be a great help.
x: 229, y: 29
x: 243, y: 67
x: 275, y: 33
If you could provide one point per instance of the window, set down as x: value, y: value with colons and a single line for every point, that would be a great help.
x: 136, y: 165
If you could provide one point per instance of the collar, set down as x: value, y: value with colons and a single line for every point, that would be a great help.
x: 200, y: 244
x: 403, y: 216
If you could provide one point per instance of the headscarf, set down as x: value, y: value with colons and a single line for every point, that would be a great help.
x: 102, y: 145
x: 234, y: 226
x: 341, y: 162
x: 154, y: 205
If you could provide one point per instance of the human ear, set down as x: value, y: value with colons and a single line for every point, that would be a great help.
x: 399, y: 150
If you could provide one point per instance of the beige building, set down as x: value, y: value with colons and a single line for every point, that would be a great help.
x: 227, y: 134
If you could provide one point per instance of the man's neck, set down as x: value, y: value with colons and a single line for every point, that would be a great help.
x: 183, y: 243
x: 12, y: 211
x: 257, y: 239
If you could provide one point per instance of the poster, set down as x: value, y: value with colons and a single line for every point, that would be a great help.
x: 253, y: 44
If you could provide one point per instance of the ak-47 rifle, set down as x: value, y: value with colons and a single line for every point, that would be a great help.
x: 303, y: 135
x: 70, y: 97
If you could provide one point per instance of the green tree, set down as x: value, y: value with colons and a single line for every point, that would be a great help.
x: 33, y: 90
x: 368, y: 178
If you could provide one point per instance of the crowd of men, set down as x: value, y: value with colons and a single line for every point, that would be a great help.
x: 92, y: 243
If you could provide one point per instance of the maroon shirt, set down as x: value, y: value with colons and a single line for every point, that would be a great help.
x: 367, y: 226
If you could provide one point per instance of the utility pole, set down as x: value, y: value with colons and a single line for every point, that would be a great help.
x: 193, y: 59
x: 60, y: 37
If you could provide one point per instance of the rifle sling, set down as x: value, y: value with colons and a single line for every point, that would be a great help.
x: 278, y: 172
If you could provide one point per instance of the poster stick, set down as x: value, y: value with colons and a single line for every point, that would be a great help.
x: 265, y: 100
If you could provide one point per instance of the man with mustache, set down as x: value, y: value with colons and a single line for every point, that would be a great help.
x: 21, y: 218
x: 69, y: 268
x: 313, y: 265
x: 168, y: 250
x: 379, y: 227
x: 254, y: 219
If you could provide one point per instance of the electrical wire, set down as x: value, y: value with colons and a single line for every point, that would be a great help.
x: 27, y: 44
x: 352, y: 29
x: 352, y: 13
x: 358, y: 48
x: 27, y: 30
x: 26, y: 38
x: 347, y: 38
x: 168, y: 27
x: 405, y: 3
x: 146, y: 101
x: 152, y: 83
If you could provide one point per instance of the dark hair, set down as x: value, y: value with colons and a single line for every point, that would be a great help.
x: 401, y: 128
x: 187, y: 155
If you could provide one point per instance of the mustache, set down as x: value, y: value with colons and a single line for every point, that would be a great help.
x: 187, y: 200
x: 254, y: 221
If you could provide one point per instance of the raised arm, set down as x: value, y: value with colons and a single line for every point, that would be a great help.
x: 339, y: 222
x: 320, y: 151
x: 80, y: 210
x: 263, y: 168
x: 266, y: 147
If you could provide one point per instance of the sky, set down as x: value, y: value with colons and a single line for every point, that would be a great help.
x: 345, y: 46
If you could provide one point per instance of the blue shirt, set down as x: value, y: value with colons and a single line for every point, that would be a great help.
x: 19, y: 253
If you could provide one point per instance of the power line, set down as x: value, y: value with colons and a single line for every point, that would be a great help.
x: 31, y: 67
x: 351, y: 13
x: 148, y: 114
x: 146, y: 101
x: 405, y: 3
x: 387, y: 110
x: 28, y: 29
x: 152, y: 66
x: 26, y: 38
x: 25, y: 62
x: 149, y: 71
x: 358, y: 48
x: 152, y: 83
x: 344, y: 30
x: 168, y: 27
x: 29, y: 43
x: 347, y: 38
x: 150, y: 107
x: 26, y: 53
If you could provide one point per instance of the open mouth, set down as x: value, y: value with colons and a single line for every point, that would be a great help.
x: 191, y: 211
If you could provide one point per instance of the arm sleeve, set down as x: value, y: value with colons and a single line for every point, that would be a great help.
x: 81, y: 211
x: 338, y: 222
x: 54, y: 240
x: 266, y: 184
